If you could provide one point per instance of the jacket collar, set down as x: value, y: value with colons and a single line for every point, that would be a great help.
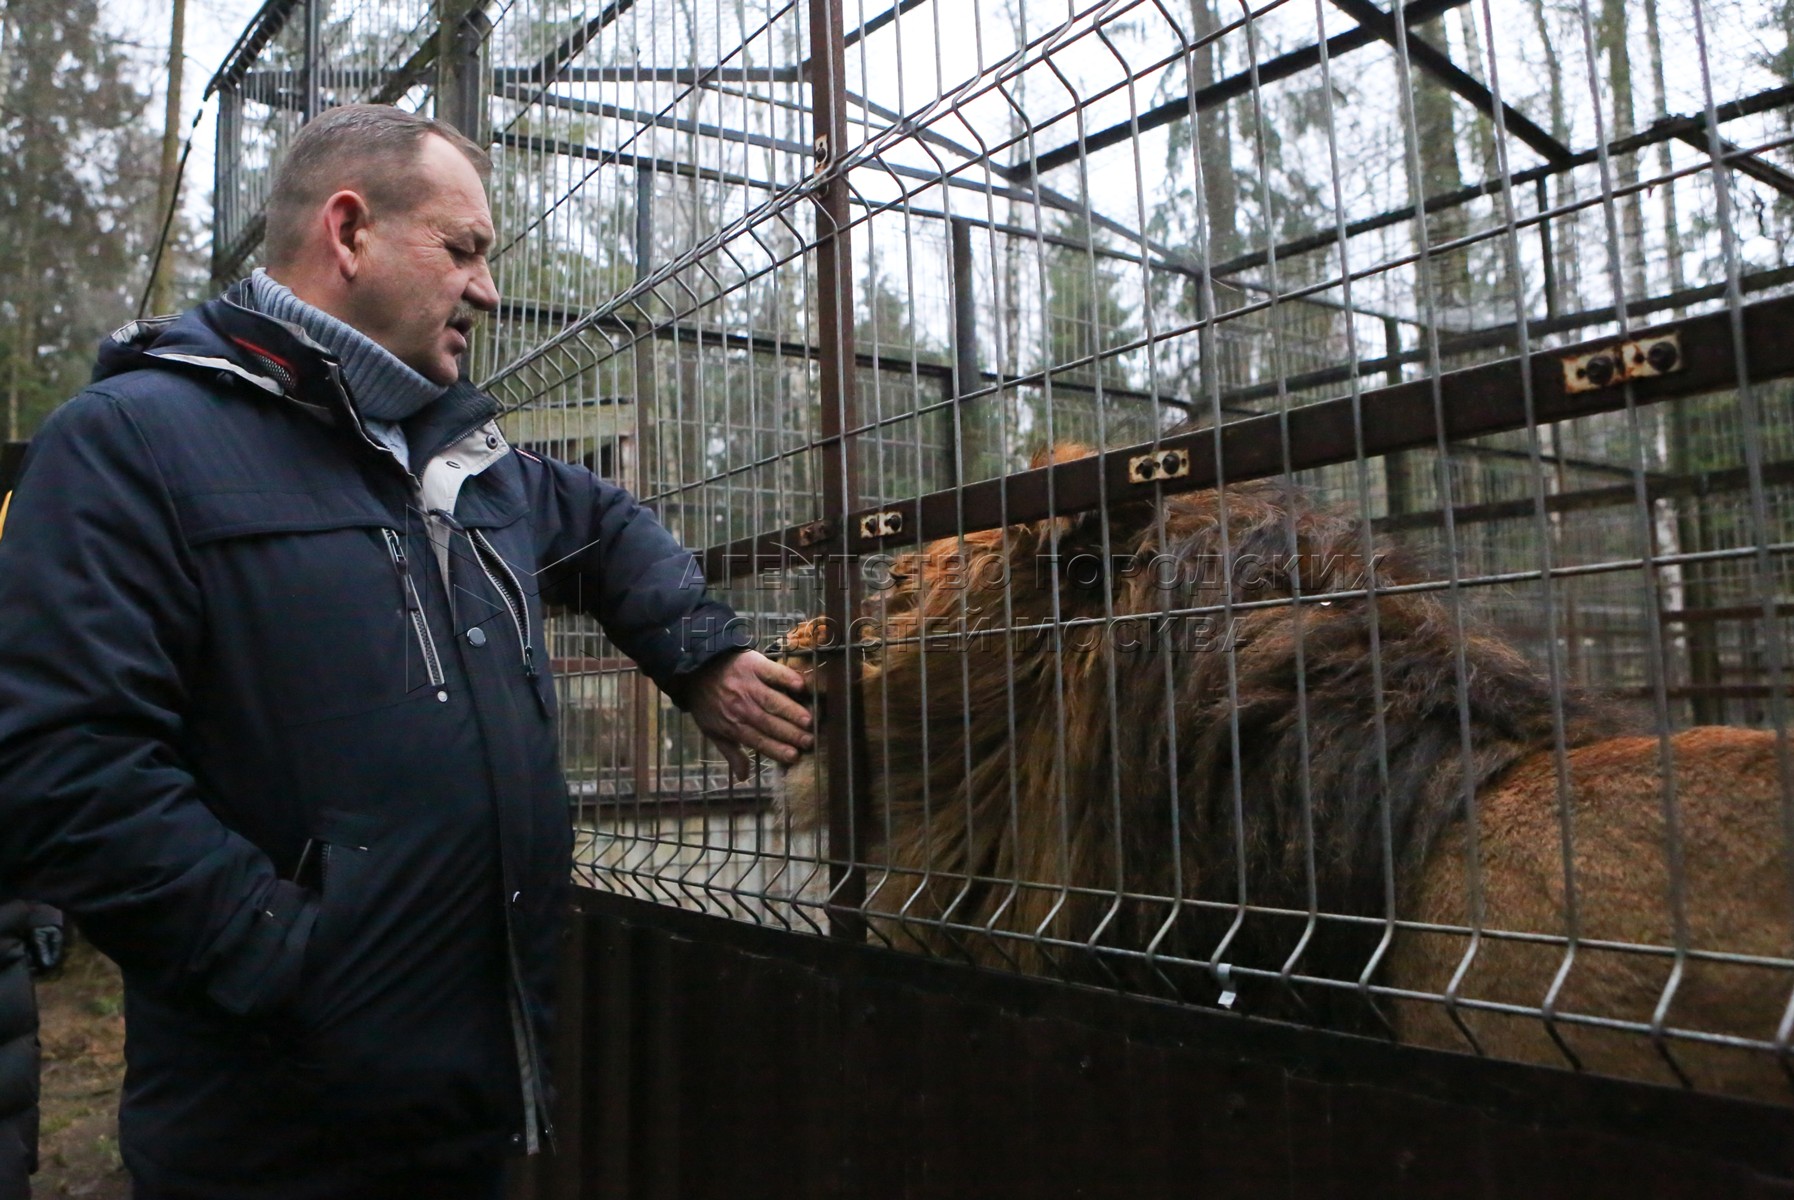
x: 276, y: 359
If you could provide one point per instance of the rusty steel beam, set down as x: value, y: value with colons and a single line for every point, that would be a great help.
x: 846, y: 738
x: 1476, y: 402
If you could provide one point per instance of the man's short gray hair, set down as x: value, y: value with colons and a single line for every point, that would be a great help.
x: 366, y: 148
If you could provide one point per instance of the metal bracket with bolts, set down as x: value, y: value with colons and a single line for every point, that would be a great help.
x: 1164, y: 464
x: 881, y: 524
x: 1622, y: 362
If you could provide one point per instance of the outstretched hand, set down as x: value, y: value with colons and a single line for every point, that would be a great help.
x: 746, y: 703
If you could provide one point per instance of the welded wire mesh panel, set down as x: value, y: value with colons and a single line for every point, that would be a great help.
x: 1397, y: 750
x: 1302, y: 493
x: 297, y: 58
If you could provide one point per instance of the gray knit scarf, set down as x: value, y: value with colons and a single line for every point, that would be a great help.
x: 384, y: 390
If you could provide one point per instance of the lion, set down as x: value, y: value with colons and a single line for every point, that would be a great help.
x: 1041, y: 736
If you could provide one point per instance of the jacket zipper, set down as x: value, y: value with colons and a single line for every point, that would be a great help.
x: 514, y: 604
x: 414, y: 607
x: 536, y: 1122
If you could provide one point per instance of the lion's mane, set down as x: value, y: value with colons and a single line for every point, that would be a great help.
x: 1023, y: 725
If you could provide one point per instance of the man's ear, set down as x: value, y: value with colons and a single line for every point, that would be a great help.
x: 346, y: 221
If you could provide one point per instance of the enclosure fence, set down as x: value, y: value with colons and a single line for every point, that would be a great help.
x: 940, y: 321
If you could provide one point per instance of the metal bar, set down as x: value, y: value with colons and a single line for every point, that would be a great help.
x: 1743, y: 161
x: 845, y: 739
x: 511, y: 91
x: 1438, y: 64
x: 314, y: 21
x: 967, y: 377
x: 1661, y: 130
x: 225, y: 265
x: 1547, y: 252
x: 461, y: 91
x: 639, y: 74
x: 1661, y: 487
x: 1725, y: 612
x: 861, y: 32
x: 1476, y: 401
x: 1219, y: 92
x: 644, y: 697
x: 513, y: 308
x: 599, y: 157
x: 1507, y: 335
x: 285, y: 88
x: 263, y: 28
x: 549, y: 68
x: 224, y: 180
x: 1396, y: 482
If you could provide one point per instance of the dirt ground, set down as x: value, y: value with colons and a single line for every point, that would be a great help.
x: 83, y: 1035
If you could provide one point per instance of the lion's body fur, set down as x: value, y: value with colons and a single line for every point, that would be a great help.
x: 1021, y: 729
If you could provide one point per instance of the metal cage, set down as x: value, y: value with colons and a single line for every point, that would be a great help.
x: 1501, y: 288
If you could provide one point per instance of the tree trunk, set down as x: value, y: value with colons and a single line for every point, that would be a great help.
x: 1569, y: 279
x: 1436, y: 138
x: 24, y: 346
x: 161, y: 291
x: 1214, y: 143
x: 1611, y: 32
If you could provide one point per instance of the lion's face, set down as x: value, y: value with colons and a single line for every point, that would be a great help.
x: 798, y: 787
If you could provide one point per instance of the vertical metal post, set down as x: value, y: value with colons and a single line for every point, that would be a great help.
x: 460, y: 81
x: 460, y: 78
x: 646, y: 695
x: 314, y: 50
x: 963, y: 450
x: 844, y: 743
x: 227, y: 228
x: 1397, y: 481
x: 1547, y: 252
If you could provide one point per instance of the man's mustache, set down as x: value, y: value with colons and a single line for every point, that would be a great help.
x: 466, y: 317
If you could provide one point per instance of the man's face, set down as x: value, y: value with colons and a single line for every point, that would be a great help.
x: 424, y: 277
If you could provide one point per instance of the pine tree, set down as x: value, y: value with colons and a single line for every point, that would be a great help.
x: 77, y: 199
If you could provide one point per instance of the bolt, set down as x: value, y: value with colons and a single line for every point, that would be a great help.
x: 1662, y: 356
x: 1169, y: 463
x: 1600, y: 370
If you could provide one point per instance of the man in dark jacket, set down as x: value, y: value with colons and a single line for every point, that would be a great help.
x: 275, y: 715
x: 30, y: 943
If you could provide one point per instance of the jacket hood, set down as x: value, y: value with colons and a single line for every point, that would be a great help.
x: 224, y: 337
x: 223, y: 334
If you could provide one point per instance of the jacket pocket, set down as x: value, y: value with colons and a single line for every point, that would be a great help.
x: 305, y: 622
x: 336, y: 864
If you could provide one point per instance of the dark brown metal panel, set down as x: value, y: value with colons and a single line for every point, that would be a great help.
x: 1242, y: 1116
x: 762, y: 1063
x: 1313, y: 1175
x: 873, y: 1054
x: 660, y: 1061
x: 608, y: 1082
